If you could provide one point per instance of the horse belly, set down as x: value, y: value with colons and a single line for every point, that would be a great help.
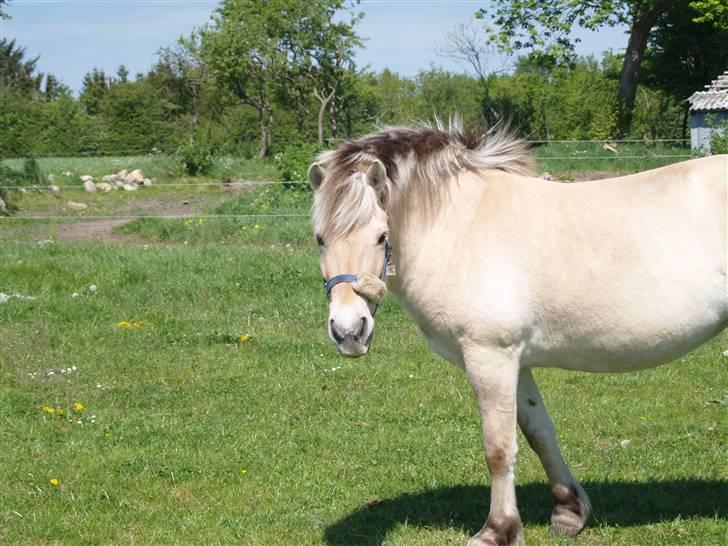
x: 628, y: 338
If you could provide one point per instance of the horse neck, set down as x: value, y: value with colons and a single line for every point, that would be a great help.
x: 413, y: 215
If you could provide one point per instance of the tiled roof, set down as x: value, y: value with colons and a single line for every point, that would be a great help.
x: 715, y: 98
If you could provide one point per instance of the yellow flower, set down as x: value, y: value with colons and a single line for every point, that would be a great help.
x: 54, y: 482
x: 244, y: 338
x: 49, y: 410
x: 78, y: 406
x: 59, y: 411
x: 189, y: 222
x: 130, y: 325
x: 256, y: 226
x: 243, y: 471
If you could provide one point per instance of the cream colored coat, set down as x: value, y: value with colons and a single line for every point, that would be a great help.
x: 506, y: 272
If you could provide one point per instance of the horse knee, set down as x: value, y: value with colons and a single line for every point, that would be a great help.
x: 500, y: 458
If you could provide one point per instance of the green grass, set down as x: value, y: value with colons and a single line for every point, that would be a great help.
x: 567, y: 159
x: 255, y: 225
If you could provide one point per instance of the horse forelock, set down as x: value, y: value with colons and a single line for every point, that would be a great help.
x: 416, y: 159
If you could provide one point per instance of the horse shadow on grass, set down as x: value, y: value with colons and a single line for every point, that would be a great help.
x: 465, y: 507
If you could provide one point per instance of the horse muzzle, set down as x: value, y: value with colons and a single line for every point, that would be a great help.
x: 353, y: 337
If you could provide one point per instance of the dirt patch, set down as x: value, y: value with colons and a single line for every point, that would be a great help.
x: 101, y: 230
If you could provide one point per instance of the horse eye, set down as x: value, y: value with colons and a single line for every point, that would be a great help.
x: 319, y: 240
x: 382, y: 239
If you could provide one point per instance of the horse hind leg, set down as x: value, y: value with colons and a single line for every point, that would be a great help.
x: 571, y: 503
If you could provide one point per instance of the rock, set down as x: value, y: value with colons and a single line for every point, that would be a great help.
x: 89, y: 186
x: 77, y: 206
x: 134, y: 177
x: 547, y: 176
x: 610, y: 147
x: 54, y: 189
x: 131, y: 187
x: 51, y: 178
x: 3, y: 206
x: 119, y: 184
x: 68, y: 173
x: 109, y: 178
x: 146, y: 182
x: 22, y: 190
x: 104, y: 187
x: 86, y: 178
x: 121, y: 175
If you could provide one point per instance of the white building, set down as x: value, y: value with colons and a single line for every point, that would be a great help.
x: 708, y: 109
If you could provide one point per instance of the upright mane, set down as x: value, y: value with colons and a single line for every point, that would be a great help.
x: 422, y: 156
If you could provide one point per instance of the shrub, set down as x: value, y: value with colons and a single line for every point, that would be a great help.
x: 719, y: 139
x: 293, y: 162
x: 196, y: 157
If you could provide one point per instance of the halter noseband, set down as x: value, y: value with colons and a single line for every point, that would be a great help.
x: 351, y: 278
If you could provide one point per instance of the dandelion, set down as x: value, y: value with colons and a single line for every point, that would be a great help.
x: 244, y: 338
x: 130, y: 324
x: 78, y: 406
x: 256, y: 226
x: 59, y: 411
x: 243, y: 471
x: 54, y: 482
x: 49, y: 410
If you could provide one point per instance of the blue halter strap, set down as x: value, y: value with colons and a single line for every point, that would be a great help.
x: 351, y: 278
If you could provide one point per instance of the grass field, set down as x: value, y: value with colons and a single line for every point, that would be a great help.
x: 214, y: 409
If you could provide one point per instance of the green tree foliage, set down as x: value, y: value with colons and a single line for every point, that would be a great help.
x: 93, y: 92
x: 16, y: 71
x: 545, y: 27
x: 257, y: 50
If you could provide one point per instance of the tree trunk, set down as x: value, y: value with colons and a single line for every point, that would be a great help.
x: 323, y: 103
x: 639, y: 33
x: 265, y: 116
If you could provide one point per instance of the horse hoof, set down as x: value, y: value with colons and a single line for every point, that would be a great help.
x: 571, y: 510
x: 499, y: 532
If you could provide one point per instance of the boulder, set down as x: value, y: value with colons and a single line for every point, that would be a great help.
x: 86, y: 178
x: 131, y: 187
x: 51, y: 178
x: 3, y: 206
x: 134, y: 177
x: 77, y: 206
x: 68, y: 173
x: 109, y: 178
x: 89, y: 186
x: 54, y: 189
x: 121, y: 175
x: 146, y: 182
x: 22, y: 190
x: 104, y: 187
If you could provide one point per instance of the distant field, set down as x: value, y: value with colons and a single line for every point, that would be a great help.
x: 214, y: 409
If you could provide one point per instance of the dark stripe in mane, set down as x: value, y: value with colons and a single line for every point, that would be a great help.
x: 389, y: 144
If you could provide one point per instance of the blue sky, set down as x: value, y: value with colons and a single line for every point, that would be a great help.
x: 73, y: 36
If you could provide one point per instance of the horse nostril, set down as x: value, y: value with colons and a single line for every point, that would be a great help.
x: 338, y: 338
x: 362, y: 328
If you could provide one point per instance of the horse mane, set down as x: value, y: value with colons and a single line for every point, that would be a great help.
x: 421, y: 156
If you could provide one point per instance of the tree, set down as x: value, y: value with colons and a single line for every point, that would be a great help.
x: 258, y: 50
x: 95, y: 87
x: 3, y: 15
x: 545, y: 27
x: 16, y: 71
x: 466, y: 44
x: 122, y: 74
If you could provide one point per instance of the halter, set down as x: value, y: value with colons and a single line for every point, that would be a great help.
x: 351, y: 278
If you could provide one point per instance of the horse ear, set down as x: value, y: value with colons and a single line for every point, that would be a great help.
x: 315, y: 175
x: 377, y: 175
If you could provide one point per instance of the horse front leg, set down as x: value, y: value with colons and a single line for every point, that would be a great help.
x: 493, y: 375
x: 571, y: 503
